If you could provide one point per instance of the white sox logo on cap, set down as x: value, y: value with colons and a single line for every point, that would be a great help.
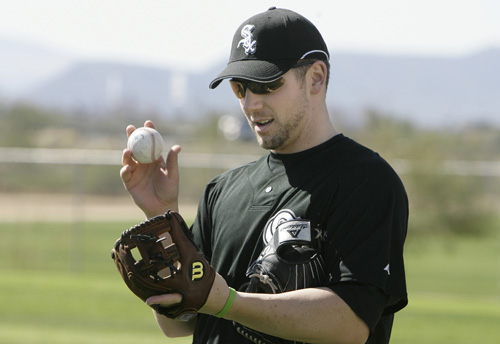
x: 249, y: 44
x: 269, y: 44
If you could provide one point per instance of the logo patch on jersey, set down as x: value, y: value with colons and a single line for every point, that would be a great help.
x: 248, y: 43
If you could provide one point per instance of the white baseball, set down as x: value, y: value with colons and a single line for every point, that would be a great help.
x: 146, y: 145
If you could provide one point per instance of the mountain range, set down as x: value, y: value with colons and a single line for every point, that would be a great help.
x: 431, y: 91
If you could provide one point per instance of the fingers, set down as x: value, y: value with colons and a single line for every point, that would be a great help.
x: 130, y: 129
x: 127, y: 157
x: 129, y: 165
x: 165, y: 300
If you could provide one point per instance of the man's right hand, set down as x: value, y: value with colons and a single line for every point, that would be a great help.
x: 154, y: 187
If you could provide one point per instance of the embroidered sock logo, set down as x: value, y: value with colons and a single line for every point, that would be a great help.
x: 248, y: 43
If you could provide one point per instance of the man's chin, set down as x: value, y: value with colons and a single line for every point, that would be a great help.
x: 264, y: 144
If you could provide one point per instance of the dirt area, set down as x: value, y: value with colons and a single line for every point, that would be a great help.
x: 73, y: 207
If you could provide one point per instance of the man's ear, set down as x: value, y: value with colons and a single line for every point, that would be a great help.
x: 318, y: 75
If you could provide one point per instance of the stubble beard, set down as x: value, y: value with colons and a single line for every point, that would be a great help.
x: 283, y: 135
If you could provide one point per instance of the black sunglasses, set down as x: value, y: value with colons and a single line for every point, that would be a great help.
x: 240, y: 86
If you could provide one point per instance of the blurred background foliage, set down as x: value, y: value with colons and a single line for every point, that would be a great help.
x: 442, y: 201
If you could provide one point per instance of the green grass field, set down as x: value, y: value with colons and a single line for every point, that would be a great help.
x: 58, y: 284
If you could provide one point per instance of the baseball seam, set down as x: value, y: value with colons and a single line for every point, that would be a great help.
x: 153, y: 148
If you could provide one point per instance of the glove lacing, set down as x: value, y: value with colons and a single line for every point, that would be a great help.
x: 265, y: 279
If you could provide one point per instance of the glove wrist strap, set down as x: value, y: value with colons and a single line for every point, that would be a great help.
x: 229, y: 303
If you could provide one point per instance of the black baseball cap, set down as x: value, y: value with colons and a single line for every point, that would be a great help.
x: 268, y: 44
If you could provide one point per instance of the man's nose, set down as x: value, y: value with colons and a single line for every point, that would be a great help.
x: 252, y: 101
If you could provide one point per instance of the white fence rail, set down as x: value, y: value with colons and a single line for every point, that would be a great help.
x: 113, y: 157
x: 222, y: 161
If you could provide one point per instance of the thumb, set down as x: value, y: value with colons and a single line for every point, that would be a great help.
x: 172, y: 163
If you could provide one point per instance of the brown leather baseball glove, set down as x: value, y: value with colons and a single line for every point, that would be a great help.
x: 158, y: 257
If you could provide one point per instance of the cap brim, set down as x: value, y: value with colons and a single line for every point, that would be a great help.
x: 254, y: 70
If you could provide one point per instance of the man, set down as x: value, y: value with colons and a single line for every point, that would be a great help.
x: 313, y: 175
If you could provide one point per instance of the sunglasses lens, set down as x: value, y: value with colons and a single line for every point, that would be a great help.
x: 264, y: 88
x: 238, y: 89
x: 257, y: 88
x: 273, y: 86
x: 240, y: 86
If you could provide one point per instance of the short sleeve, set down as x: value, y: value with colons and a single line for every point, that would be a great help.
x: 367, y: 230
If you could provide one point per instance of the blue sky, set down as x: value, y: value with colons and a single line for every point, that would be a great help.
x: 194, y: 34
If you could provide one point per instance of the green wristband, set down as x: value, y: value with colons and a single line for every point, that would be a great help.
x: 229, y: 303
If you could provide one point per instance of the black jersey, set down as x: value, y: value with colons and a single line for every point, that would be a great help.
x: 348, y: 192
